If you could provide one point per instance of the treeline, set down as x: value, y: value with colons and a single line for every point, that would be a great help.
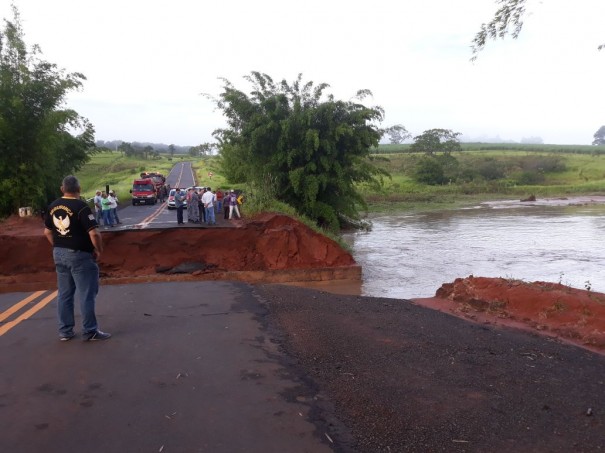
x: 541, y: 148
x: 114, y: 145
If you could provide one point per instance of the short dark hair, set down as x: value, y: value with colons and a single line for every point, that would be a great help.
x: 71, y: 184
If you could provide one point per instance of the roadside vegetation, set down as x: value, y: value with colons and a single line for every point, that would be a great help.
x: 485, y: 171
x: 511, y: 171
x: 290, y: 146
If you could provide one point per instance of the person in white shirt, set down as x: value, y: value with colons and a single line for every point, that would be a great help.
x: 98, y: 209
x: 208, y: 202
x: 113, y: 205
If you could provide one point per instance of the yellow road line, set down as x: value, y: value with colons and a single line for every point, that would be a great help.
x: 18, y: 305
x: 151, y: 217
x: 36, y: 308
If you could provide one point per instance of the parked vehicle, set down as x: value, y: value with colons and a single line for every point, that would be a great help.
x: 158, y: 179
x: 144, y: 191
x: 170, y: 203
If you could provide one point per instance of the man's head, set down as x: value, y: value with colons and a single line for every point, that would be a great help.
x: 111, y: 192
x: 98, y: 192
x: 70, y: 185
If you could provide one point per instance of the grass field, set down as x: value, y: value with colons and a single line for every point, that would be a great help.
x: 118, y: 171
x: 581, y: 171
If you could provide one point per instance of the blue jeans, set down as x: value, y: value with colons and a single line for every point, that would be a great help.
x: 210, y: 219
x: 114, y: 215
x: 107, y: 220
x: 76, y: 271
x: 98, y: 216
x: 219, y: 206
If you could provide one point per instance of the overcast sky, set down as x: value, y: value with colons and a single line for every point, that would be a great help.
x: 147, y: 62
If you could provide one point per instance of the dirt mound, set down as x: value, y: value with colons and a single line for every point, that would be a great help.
x: 259, y: 247
x: 553, y: 309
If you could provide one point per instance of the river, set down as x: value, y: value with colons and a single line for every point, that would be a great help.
x: 555, y: 240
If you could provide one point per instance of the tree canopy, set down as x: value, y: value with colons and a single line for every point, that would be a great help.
x: 308, y: 149
x: 37, y: 148
x: 510, y: 14
x: 508, y: 20
x: 599, y: 136
x: 435, y: 141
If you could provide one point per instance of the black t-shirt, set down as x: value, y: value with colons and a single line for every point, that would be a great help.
x: 70, y: 220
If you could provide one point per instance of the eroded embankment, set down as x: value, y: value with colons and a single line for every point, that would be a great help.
x: 270, y: 248
x: 552, y: 309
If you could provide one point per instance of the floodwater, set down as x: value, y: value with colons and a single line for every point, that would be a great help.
x: 410, y: 255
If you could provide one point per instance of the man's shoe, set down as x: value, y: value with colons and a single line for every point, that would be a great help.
x: 66, y: 336
x: 96, y: 336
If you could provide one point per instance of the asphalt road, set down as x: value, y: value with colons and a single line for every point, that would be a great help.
x: 191, y: 367
x: 158, y: 215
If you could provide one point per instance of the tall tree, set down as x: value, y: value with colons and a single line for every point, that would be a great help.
x: 599, y: 136
x: 436, y: 140
x: 37, y: 148
x: 397, y: 134
x: 308, y: 148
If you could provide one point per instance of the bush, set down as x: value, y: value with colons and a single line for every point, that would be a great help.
x: 530, y: 178
x: 429, y: 171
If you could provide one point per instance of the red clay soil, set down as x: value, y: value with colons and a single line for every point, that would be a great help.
x: 265, y: 244
x: 574, y: 315
x: 277, y: 248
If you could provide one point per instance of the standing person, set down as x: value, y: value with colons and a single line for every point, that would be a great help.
x: 195, y: 207
x: 106, y: 209
x: 233, y: 205
x: 98, y: 209
x: 163, y: 193
x: 219, y: 200
x: 113, y: 200
x: 179, y: 200
x: 226, y: 207
x: 208, y: 200
x: 201, y: 193
x: 72, y: 230
x: 189, y: 193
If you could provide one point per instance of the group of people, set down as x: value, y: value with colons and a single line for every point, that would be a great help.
x: 203, y: 204
x: 106, y: 208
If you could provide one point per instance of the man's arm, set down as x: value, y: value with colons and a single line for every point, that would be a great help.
x: 97, y: 241
x: 49, y: 235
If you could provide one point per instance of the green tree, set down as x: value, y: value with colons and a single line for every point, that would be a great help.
x: 126, y: 149
x: 37, y: 148
x: 435, y: 141
x: 202, y: 149
x: 308, y: 148
x: 397, y: 134
x: 171, y: 149
x: 510, y: 14
x: 599, y: 136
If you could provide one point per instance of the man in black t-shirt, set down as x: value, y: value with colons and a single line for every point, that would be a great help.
x: 73, y: 232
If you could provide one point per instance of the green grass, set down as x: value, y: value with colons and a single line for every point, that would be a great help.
x: 584, y: 174
x: 118, y: 171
